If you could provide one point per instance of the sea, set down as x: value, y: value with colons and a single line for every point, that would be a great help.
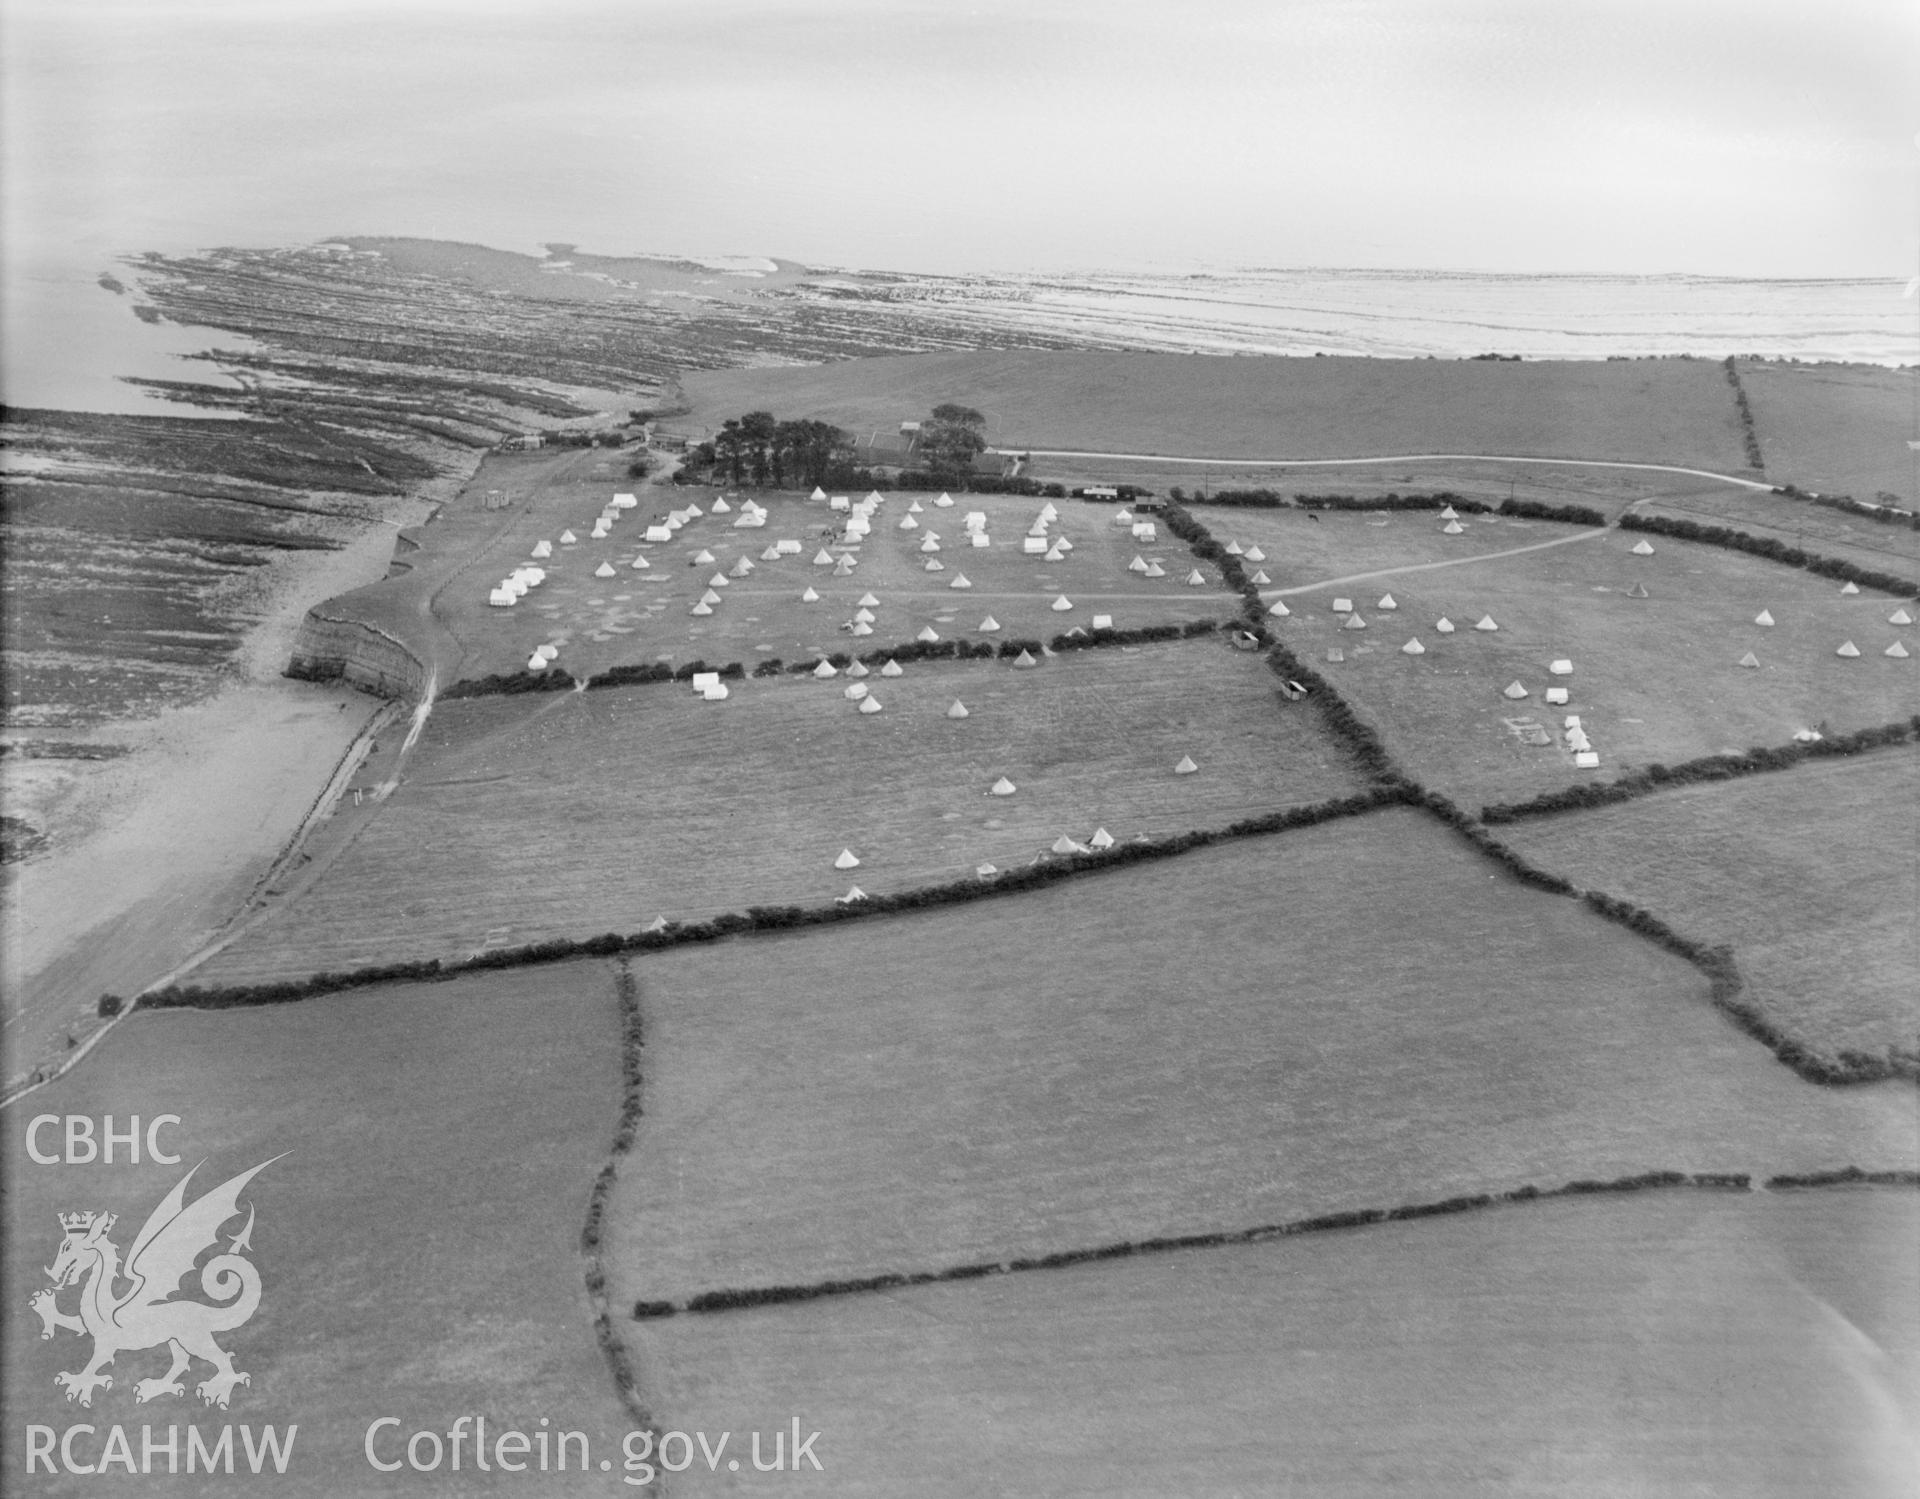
x: 72, y: 343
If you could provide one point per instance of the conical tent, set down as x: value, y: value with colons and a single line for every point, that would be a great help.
x: 693, y: 512
x: 1354, y: 622
x: 960, y: 580
x: 916, y: 508
x: 567, y: 538
x: 1003, y: 787
x: 930, y: 545
x: 869, y: 704
x: 825, y: 669
x: 861, y: 628
x: 771, y: 554
x: 989, y: 625
x: 1764, y: 617
x: 908, y: 523
x: 1444, y: 626
x: 1850, y: 587
x: 1414, y: 648
x: 721, y: 507
x: 863, y: 616
x: 718, y: 580
x: 709, y: 597
x: 1260, y: 579
x: 1849, y: 649
x: 1449, y: 514
x: 892, y: 668
x: 1514, y: 690
x: 604, y: 570
x: 1485, y: 622
x: 1638, y: 591
x: 944, y: 501
x: 853, y: 896
x: 1062, y: 604
x: 1196, y: 578
x: 1279, y: 609
x: 1749, y: 659
x: 536, y: 662
x: 1899, y: 617
x: 809, y: 597
x: 1025, y: 658
x: 935, y: 565
x: 818, y: 493
x: 846, y: 860
x: 823, y: 558
x: 743, y: 567
x: 844, y: 567
x: 1386, y: 602
x: 928, y: 634
x: 1643, y: 548
x: 1186, y: 767
x: 868, y: 601
x: 958, y: 710
x: 1234, y: 549
x: 1101, y: 839
x: 1452, y: 528
x: 857, y: 669
x: 638, y: 564
x: 1138, y: 565
x: 703, y: 608
x: 1155, y: 570
x: 1897, y: 651
x: 1054, y: 554
x: 1254, y: 554
x: 543, y: 549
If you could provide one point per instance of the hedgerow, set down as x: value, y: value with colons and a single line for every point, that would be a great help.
x: 1845, y: 1176
x: 1747, y: 433
x: 631, y: 1043
x: 511, y: 683
x: 1756, y: 761
x: 738, y: 1299
x: 1884, y: 513
x: 1771, y: 548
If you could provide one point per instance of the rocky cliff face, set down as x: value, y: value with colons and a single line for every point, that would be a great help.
x: 329, y: 648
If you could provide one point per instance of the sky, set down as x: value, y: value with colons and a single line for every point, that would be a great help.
x: 1613, y: 136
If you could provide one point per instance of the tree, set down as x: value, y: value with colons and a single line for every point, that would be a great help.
x: 757, y: 429
x: 952, y: 437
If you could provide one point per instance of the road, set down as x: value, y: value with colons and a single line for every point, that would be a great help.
x: 1653, y: 468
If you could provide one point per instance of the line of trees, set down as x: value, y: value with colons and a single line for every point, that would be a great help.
x: 1747, y: 432
x: 1773, y: 549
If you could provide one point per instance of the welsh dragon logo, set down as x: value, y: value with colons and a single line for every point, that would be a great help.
x: 145, y: 1315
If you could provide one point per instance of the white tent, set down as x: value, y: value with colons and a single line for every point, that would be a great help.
x: 1850, y: 588
x: 841, y: 503
x: 1101, y: 839
x: 1103, y: 621
x: 1586, y: 760
x: 788, y: 546
x: 1343, y: 606
x: 501, y: 598
x: 1054, y: 554
x: 547, y: 652
x: 771, y: 554
x: 1025, y: 659
x: 979, y: 538
x: 854, y: 691
x: 1123, y: 517
x: 658, y: 534
x: 958, y: 710
x: 927, y: 634
x: 916, y: 508
x: 1555, y: 696
x: 1899, y: 617
x: 1234, y: 549
x: 809, y: 597
x: 935, y: 565
x: 944, y: 501
x: 1764, y: 617
x: 908, y: 523
x: 1896, y: 650
x: 1485, y: 622
x: 818, y: 493
x: 1033, y: 546
x: 567, y: 538
x: 989, y: 625
x: 869, y: 704
x: 717, y: 693
x: 1048, y: 513
x: 1560, y: 668
x: 721, y: 507
x: 825, y: 669
x: 702, y: 558
x: 693, y: 512
x: 1750, y: 660
x: 1643, y: 548
x: 741, y: 568
x: 1260, y: 579
x: 823, y: 558
x: 1279, y: 609
x: 639, y: 564
x: 1414, y: 648
x: 1186, y: 767
x: 1452, y: 528
x: 1444, y: 626
x: 1354, y: 622
x: 853, y: 896
x: 599, y: 532
x: 604, y: 570
x: 1196, y: 578
x: 860, y: 627
x: 1065, y: 845
x: 960, y: 580
x: 1514, y: 690
x: 1147, y: 531
x: 718, y: 580
x: 857, y: 669
x: 536, y: 662
x: 1002, y: 787
x: 844, y: 567
x: 1638, y: 591
x: 847, y: 860
x: 892, y: 668
x: 543, y: 549
x: 1062, y: 604
x: 1254, y: 554
x: 702, y: 608
x: 1449, y: 514
x: 863, y: 616
x: 709, y: 597
x: 930, y: 544
x: 1849, y: 650
x: 702, y: 680
x: 868, y: 601
x: 624, y: 501
x: 1386, y: 602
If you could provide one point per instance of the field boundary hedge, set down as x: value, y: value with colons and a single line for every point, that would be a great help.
x: 1771, y: 548
x: 1712, y: 1181
x: 1745, y: 412
x: 1052, y: 870
x: 1757, y: 761
x: 1272, y: 499
x: 632, y: 1039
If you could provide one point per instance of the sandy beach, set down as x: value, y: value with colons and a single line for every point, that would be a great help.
x: 154, y: 851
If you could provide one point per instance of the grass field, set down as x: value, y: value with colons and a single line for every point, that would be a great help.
x: 645, y: 615
x: 1660, y: 1344
x: 1810, y: 875
x: 526, y: 818
x: 1834, y: 429
x: 419, y: 1244
x: 1866, y: 543
x: 1661, y: 411
x: 1354, y: 1015
x: 1655, y: 680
